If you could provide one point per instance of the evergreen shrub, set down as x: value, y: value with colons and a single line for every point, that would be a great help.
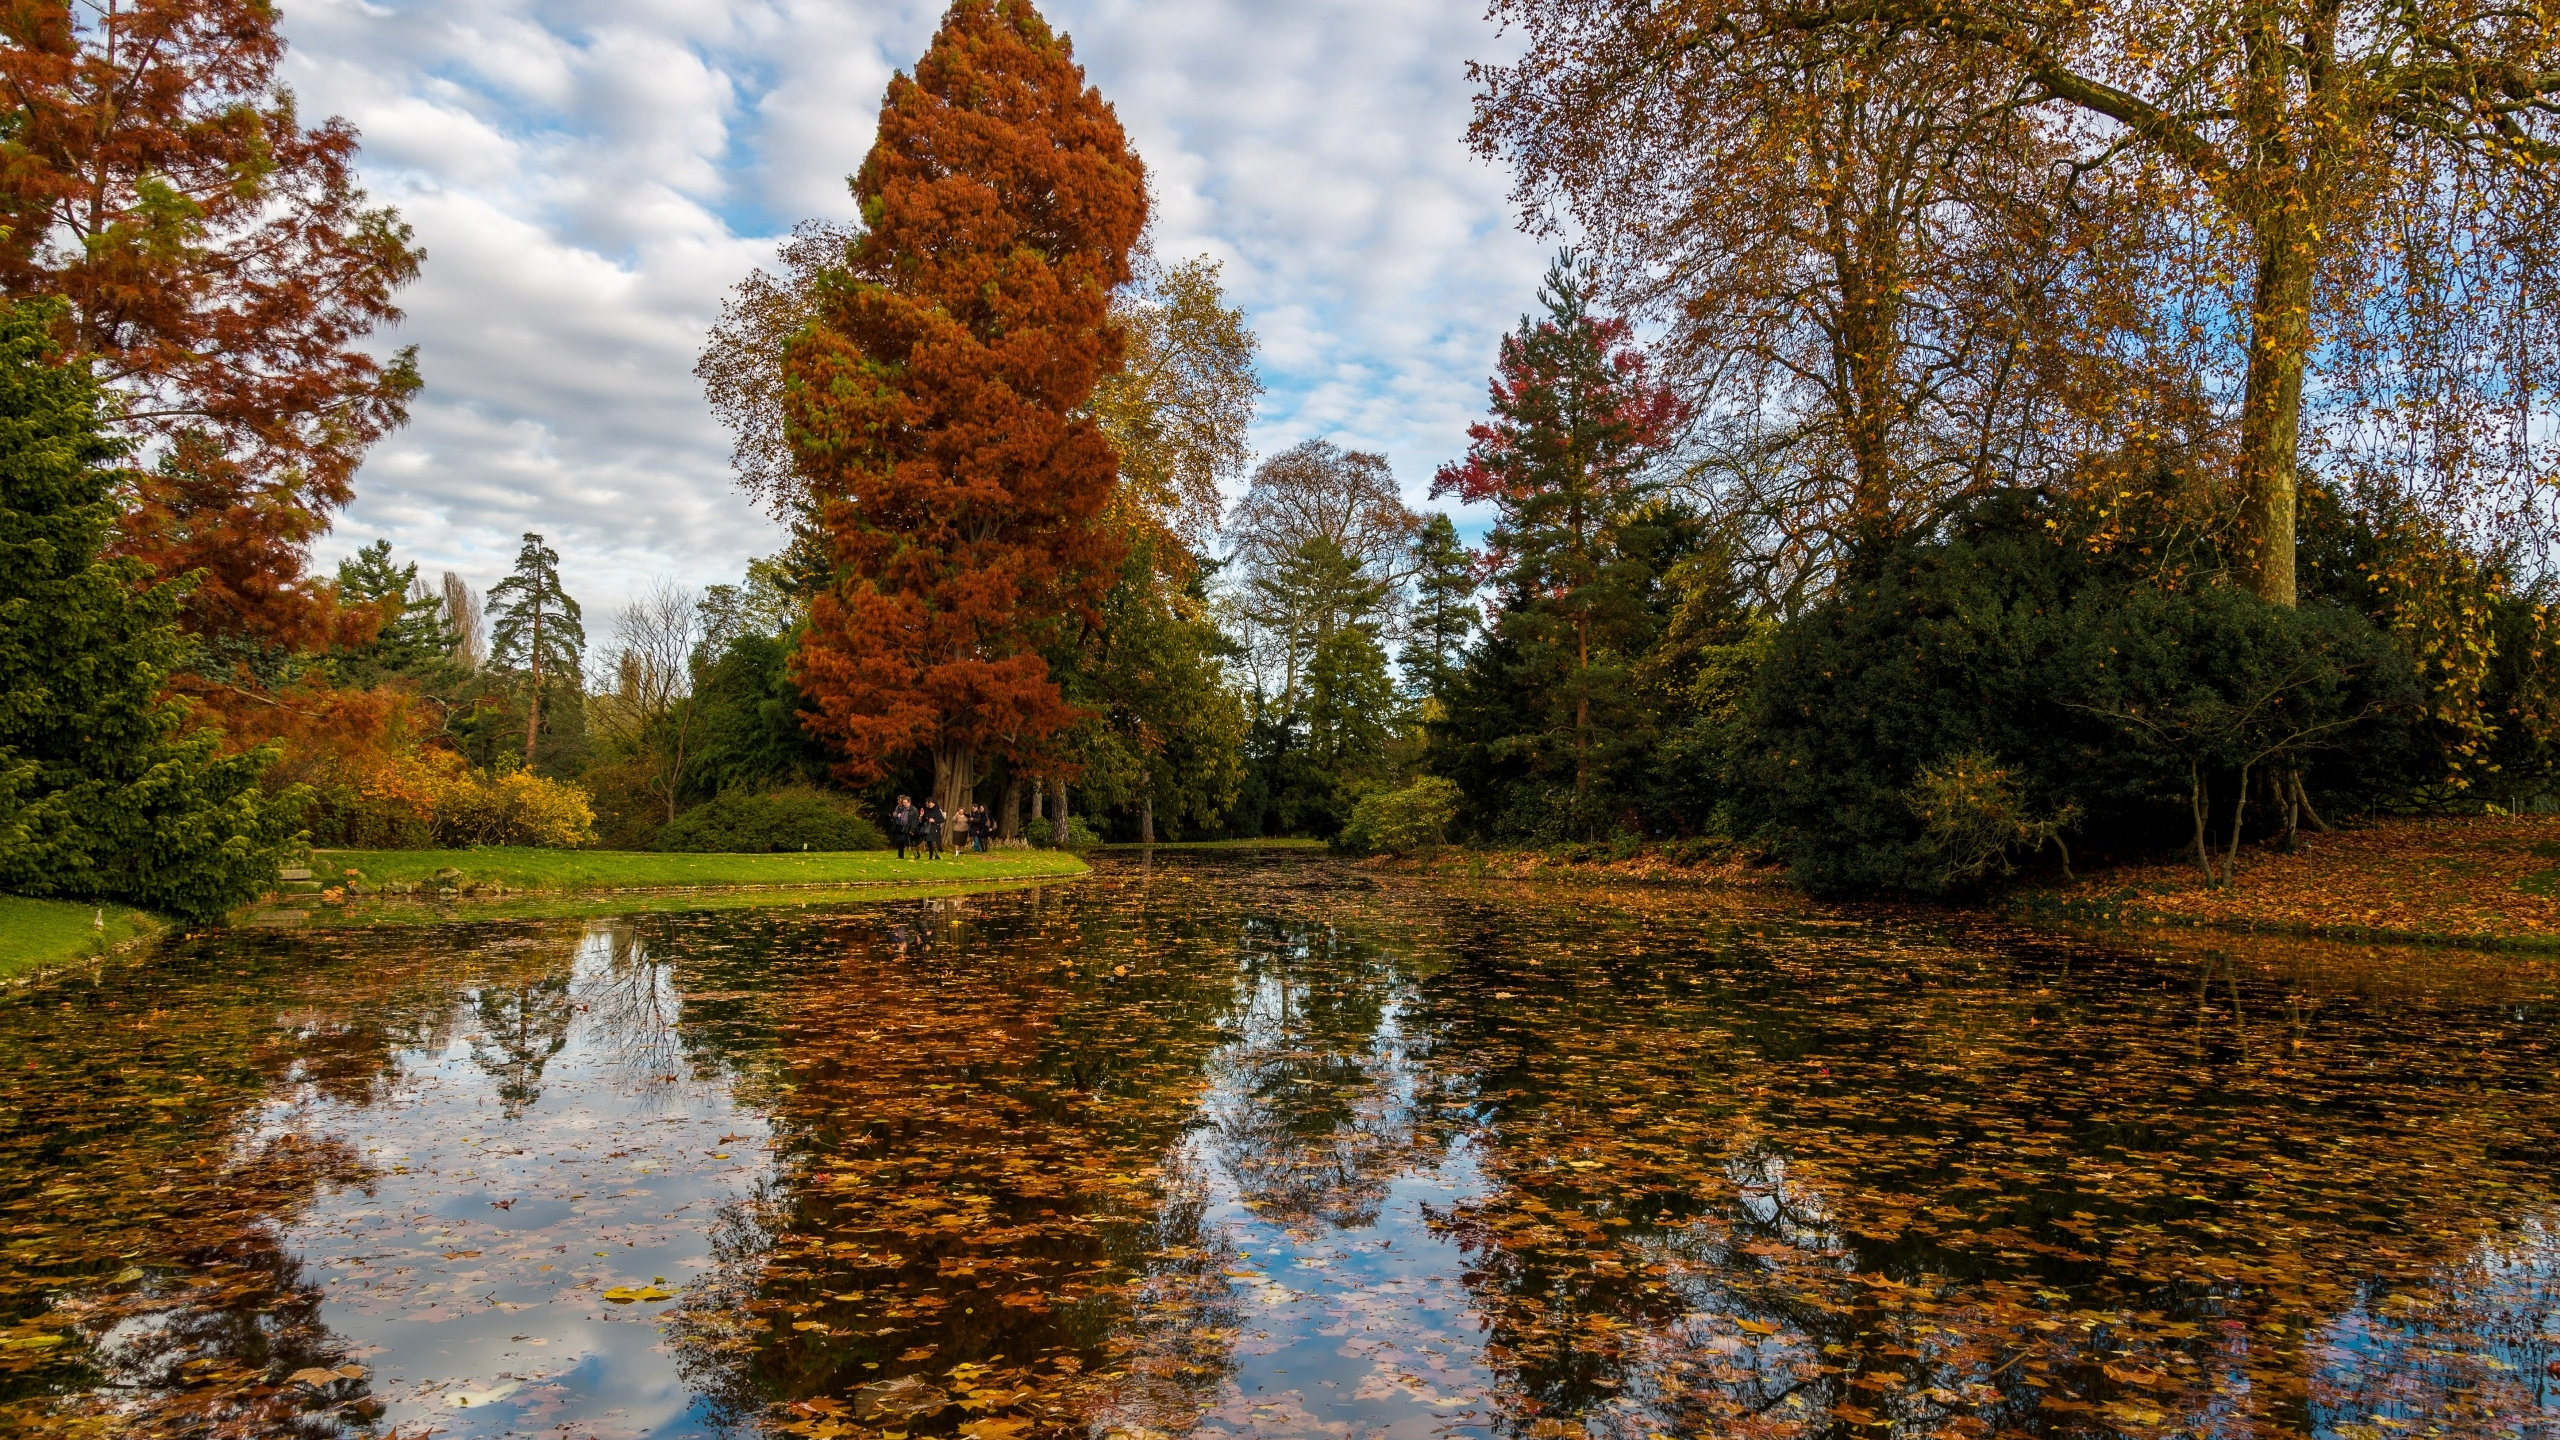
x: 2000, y: 677
x: 742, y: 822
x: 105, y: 793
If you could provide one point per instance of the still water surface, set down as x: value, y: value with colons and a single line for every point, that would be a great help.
x: 1267, y: 1147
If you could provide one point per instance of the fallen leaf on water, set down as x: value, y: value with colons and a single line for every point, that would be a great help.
x: 996, y: 1427
x: 315, y: 1377
x: 905, y: 1397
x: 626, y: 1294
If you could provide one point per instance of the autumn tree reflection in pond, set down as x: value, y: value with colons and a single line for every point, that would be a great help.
x: 1268, y: 1147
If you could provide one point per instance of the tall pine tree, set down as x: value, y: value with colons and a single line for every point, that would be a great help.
x: 1444, y: 610
x: 1565, y: 459
x: 938, y: 403
x: 536, y: 628
x: 103, y: 792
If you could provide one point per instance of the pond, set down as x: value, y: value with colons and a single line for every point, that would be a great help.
x: 1267, y: 1146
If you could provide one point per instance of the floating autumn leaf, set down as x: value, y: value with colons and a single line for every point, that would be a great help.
x: 630, y: 1295
x: 996, y: 1427
x: 315, y: 1377
x: 908, y: 1397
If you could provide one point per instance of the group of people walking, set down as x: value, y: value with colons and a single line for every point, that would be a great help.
x: 920, y: 828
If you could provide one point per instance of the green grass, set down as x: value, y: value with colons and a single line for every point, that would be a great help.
x: 574, y: 870
x: 404, y: 914
x: 1280, y: 844
x: 41, y: 934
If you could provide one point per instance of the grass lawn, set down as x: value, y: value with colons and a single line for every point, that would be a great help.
x: 1281, y: 844
x: 621, y: 870
x: 40, y: 934
x: 571, y: 905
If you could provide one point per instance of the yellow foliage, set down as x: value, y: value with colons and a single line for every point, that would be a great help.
x: 475, y: 808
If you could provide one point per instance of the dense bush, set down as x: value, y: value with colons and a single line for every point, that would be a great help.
x: 473, y: 807
x: 428, y: 799
x: 104, y: 792
x: 745, y: 823
x: 1411, y: 821
x: 2092, y: 693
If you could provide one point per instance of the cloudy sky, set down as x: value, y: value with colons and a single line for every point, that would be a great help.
x: 589, y: 176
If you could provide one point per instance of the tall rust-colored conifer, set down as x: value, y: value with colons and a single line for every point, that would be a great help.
x: 935, y: 404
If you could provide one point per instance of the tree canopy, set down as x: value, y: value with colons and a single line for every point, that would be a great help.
x: 937, y: 405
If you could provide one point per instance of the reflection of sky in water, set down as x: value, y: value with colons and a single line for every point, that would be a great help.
x: 2486, y: 1330
x: 1353, y: 1319
x: 558, y: 1146
x: 1394, y: 1161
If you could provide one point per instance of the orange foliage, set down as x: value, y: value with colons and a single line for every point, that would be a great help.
x: 935, y: 405
x: 220, y: 268
x: 2482, y: 880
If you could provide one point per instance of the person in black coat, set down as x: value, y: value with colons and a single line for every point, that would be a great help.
x: 902, y: 825
x: 932, y: 820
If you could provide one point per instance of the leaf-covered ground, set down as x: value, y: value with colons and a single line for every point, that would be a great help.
x: 2485, y: 881
x: 1263, y: 1147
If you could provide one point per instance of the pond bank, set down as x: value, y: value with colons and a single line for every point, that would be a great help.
x: 371, y: 888
x: 41, y: 935
x: 2485, y: 882
x: 508, y: 871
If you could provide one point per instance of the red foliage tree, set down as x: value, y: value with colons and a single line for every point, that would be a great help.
x: 1578, y: 426
x: 220, y: 269
x: 936, y: 403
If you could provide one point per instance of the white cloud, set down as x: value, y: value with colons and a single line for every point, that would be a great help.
x: 589, y: 176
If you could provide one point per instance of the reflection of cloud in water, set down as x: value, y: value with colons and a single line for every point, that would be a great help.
x: 557, y: 1121
x: 2471, y: 1350
x: 1312, y: 1106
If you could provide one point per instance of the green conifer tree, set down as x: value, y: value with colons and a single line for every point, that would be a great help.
x: 414, y: 635
x: 1444, y: 612
x: 103, y: 793
x: 535, y: 627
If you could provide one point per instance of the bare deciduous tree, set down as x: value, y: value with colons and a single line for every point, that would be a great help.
x: 649, y: 711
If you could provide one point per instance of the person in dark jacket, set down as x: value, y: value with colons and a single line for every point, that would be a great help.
x: 932, y: 820
x: 902, y: 825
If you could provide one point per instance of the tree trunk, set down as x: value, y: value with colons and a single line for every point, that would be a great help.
x: 1058, y: 810
x: 2239, y: 814
x: 1146, y: 807
x: 533, y: 701
x: 1009, y: 818
x: 955, y: 780
x: 1039, y: 799
x: 2271, y: 417
x: 2199, y: 800
x: 1582, y: 709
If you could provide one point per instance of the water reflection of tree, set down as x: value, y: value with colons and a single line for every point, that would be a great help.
x: 151, y: 1159
x: 1830, y: 1179
x: 521, y: 1013
x: 975, y: 1117
x: 1314, y: 1100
